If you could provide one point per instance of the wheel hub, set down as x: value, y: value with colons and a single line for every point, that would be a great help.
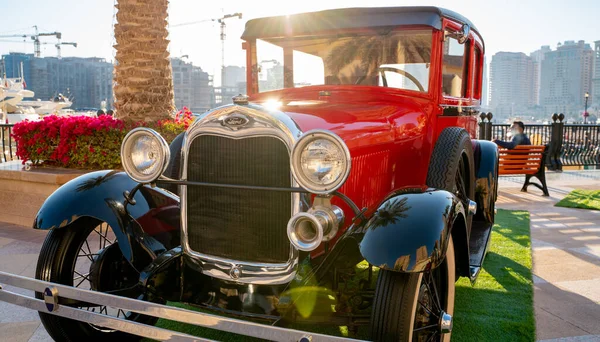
x: 109, y: 270
x: 445, y: 323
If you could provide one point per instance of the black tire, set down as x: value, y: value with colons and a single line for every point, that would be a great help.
x: 56, y: 263
x: 396, y: 307
x: 452, y: 151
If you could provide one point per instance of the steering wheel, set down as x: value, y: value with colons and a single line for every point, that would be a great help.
x: 404, y: 73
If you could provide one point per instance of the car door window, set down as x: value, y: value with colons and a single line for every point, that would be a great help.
x: 453, y: 70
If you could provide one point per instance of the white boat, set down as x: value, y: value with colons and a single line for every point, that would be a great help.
x: 12, y: 92
x: 11, y: 101
x: 48, y: 107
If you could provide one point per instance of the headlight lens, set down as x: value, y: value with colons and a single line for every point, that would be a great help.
x: 144, y: 155
x: 320, y: 161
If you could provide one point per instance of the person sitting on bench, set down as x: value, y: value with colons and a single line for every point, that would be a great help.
x: 518, y: 137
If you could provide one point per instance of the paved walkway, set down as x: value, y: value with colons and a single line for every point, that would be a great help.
x: 566, y: 263
x: 566, y: 256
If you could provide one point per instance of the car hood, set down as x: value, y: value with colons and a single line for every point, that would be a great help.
x: 359, y: 116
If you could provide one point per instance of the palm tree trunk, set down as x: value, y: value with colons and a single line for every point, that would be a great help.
x: 143, y: 78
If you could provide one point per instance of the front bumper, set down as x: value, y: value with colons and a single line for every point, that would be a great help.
x: 54, y: 293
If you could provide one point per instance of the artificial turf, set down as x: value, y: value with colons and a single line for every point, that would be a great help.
x: 583, y: 199
x: 498, y: 308
x: 500, y: 305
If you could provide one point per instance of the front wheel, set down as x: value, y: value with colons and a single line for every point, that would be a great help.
x: 86, y: 255
x: 415, y: 306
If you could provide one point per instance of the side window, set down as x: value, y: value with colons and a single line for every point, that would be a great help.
x: 477, y: 73
x: 453, y: 70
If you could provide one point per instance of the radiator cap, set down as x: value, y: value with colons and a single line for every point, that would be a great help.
x: 240, y: 99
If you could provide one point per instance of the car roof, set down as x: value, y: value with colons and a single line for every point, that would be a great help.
x: 346, y: 18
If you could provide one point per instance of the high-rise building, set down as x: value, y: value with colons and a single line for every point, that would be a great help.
x: 86, y: 81
x: 485, y: 96
x: 234, y: 75
x: 511, y: 83
x: 11, y: 65
x: 192, y: 86
x: 538, y: 57
x: 566, y: 75
x: 595, y: 99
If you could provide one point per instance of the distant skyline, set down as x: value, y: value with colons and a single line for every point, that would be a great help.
x: 506, y: 25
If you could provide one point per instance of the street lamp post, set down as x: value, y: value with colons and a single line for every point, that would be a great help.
x: 585, y: 112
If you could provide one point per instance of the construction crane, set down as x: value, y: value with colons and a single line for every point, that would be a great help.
x: 223, y: 35
x: 36, y: 40
x: 63, y: 43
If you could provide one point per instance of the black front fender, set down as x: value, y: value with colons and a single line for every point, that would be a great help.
x: 410, y: 232
x: 486, y: 180
x: 152, y: 223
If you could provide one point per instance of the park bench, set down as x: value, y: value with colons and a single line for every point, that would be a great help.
x: 525, y: 160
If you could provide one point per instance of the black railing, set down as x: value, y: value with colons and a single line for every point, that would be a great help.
x: 9, y: 146
x: 567, y: 144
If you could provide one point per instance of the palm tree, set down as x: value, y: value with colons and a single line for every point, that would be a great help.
x: 143, y: 78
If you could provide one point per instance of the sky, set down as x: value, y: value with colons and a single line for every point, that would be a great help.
x: 506, y: 25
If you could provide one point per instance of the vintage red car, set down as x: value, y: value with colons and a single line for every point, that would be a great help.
x: 347, y: 189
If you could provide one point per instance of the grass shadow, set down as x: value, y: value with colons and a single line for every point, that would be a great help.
x: 500, y: 305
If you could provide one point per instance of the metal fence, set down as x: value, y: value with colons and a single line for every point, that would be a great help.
x: 567, y: 144
x: 9, y: 146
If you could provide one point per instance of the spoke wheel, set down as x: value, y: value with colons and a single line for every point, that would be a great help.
x: 410, y: 307
x: 86, y: 255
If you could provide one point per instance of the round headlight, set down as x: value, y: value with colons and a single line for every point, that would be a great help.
x: 144, y: 155
x: 320, y: 161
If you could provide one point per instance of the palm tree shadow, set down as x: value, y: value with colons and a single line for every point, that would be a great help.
x: 507, y: 272
x: 96, y: 181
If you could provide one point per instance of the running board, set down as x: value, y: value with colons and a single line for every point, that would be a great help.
x: 55, y: 292
x: 479, y: 243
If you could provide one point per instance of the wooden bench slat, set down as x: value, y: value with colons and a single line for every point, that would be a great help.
x: 516, y: 173
x: 519, y: 167
x: 524, y: 160
x: 525, y: 157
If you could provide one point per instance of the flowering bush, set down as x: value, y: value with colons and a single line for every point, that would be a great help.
x: 85, y: 142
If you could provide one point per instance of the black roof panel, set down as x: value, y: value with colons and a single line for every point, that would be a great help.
x: 345, y: 18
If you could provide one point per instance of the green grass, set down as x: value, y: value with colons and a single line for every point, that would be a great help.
x: 583, y: 199
x: 500, y: 305
x: 498, y: 308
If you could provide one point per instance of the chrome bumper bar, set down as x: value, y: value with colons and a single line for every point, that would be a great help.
x: 52, y: 293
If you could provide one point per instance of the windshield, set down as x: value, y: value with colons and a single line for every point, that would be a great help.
x: 386, y: 58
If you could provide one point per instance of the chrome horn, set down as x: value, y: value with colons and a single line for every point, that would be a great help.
x: 307, y: 230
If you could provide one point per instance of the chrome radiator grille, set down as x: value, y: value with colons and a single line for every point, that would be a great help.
x: 238, y: 224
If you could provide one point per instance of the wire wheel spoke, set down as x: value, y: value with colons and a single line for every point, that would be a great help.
x: 435, y: 292
x: 83, y: 278
x: 427, y: 327
x: 428, y: 309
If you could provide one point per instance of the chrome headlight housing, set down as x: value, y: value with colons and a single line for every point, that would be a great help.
x: 320, y: 161
x: 144, y: 155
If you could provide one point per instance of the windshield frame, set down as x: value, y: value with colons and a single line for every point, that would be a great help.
x: 253, y: 66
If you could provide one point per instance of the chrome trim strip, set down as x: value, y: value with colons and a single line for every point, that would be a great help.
x: 105, y: 321
x: 237, y: 326
x: 261, y: 122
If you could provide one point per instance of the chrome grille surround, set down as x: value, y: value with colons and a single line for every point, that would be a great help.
x: 261, y: 122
